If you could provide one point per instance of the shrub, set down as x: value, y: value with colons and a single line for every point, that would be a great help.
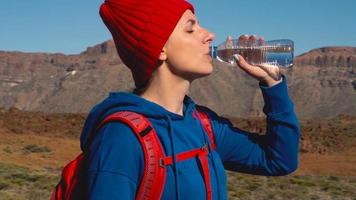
x: 33, y: 148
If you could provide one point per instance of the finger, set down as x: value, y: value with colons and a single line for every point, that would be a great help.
x: 246, y: 67
x: 261, y: 41
x: 252, y: 55
x: 243, y: 39
x: 272, y: 71
x: 257, y: 72
x: 229, y: 42
x: 252, y: 40
x: 242, y: 63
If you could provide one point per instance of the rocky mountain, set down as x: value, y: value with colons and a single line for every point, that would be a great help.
x: 322, y: 83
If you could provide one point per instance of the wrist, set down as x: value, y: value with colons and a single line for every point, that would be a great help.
x: 271, y: 82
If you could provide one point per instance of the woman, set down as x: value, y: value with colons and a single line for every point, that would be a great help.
x: 166, y: 49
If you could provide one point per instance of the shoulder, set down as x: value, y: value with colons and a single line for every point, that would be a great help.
x: 117, y: 134
x: 206, y: 110
x: 213, y: 116
x: 116, y: 149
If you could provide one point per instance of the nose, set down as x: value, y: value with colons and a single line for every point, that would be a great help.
x: 209, y: 36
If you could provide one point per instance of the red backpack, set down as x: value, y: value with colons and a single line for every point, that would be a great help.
x: 153, y: 180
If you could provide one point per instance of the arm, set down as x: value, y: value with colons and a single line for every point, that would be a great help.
x: 276, y: 152
x: 115, y: 163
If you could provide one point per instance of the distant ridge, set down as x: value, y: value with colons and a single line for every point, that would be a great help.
x: 322, y: 83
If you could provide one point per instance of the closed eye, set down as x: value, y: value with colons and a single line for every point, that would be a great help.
x: 191, y: 23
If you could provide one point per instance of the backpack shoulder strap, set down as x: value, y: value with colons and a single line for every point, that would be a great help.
x: 153, y: 180
x: 204, y: 118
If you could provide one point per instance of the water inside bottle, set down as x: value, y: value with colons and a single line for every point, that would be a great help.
x: 276, y: 52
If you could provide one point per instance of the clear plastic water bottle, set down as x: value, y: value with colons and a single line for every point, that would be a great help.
x: 278, y: 53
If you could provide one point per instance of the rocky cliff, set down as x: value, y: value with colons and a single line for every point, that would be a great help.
x: 322, y: 83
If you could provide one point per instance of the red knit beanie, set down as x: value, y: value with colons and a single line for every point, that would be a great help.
x: 140, y: 29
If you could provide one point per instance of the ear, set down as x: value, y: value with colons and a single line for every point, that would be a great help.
x: 163, y: 55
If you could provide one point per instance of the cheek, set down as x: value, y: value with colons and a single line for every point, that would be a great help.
x: 182, y: 56
x: 191, y: 65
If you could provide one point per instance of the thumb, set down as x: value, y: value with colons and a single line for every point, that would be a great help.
x: 241, y: 62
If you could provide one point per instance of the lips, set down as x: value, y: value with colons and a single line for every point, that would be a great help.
x: 209, y: 57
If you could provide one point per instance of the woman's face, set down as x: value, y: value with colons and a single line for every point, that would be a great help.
x: 187, y: 49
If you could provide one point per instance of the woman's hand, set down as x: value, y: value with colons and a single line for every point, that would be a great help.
x: 269, y: 74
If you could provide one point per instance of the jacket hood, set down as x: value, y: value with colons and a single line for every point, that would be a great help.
x: 124, y: 101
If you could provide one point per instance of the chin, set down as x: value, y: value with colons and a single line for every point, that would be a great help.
x: 208, y: 69
x: 205, y: 70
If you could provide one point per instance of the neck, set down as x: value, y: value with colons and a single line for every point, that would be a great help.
x: 167, y: 90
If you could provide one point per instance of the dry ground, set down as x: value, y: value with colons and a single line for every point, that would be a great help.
x: 39, y: 140
x: 35, y: 146
x: 60, y: 150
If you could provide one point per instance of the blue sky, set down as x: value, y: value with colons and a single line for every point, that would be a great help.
x: 70, y: 26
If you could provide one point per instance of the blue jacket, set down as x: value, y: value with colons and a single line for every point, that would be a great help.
x: 116, y: 159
